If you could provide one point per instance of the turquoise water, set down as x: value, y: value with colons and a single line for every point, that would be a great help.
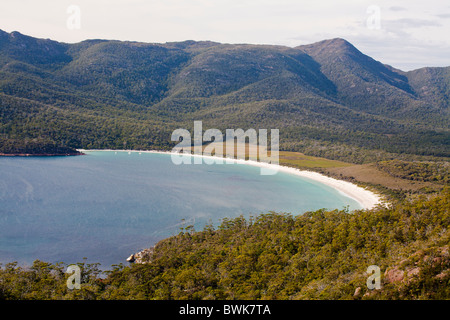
x: 105, y: 206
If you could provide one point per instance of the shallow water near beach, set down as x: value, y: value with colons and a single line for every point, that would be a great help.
x: 107, y: 205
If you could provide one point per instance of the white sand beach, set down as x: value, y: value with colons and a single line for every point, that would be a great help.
x: 366, y: 198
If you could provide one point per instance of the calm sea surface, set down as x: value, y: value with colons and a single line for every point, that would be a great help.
x: 106, y: 205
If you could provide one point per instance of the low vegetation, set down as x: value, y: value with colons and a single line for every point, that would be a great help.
x: 437, y: 172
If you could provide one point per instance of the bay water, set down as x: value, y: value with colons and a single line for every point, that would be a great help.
x: 106, y: 205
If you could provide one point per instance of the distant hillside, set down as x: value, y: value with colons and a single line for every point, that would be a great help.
x: 327, y: 98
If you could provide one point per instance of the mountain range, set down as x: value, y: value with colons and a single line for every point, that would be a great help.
x: 326, y: 98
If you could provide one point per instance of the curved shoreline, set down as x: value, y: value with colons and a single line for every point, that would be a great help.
x: 366, y: 198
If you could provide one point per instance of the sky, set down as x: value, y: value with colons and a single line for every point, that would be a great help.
x: 404, y: 34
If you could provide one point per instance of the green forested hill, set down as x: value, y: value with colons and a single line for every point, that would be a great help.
x: 432, y: 85
x: 326, y: 98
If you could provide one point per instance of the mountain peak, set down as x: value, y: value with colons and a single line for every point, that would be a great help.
x: 335, y: 42
x: 335, y: 46
x: 345, y: 64
x: 32, y: 50
x: 15, y: 34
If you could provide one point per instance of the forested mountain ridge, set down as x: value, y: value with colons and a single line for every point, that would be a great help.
x: 326, y: 98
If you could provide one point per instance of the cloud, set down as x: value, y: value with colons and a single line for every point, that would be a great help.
x: 411, y: 23
x: 444, y: 15
x: 402, y: 50
x: 397, y: 8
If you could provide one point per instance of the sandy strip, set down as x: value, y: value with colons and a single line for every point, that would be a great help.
x: 366, y: 198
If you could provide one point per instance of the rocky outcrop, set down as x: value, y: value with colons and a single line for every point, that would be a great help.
x: 394, y: 275
x: 409, y: 269
x: 143, y: 256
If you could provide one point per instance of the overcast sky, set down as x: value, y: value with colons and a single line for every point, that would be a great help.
x: 405, y: 34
